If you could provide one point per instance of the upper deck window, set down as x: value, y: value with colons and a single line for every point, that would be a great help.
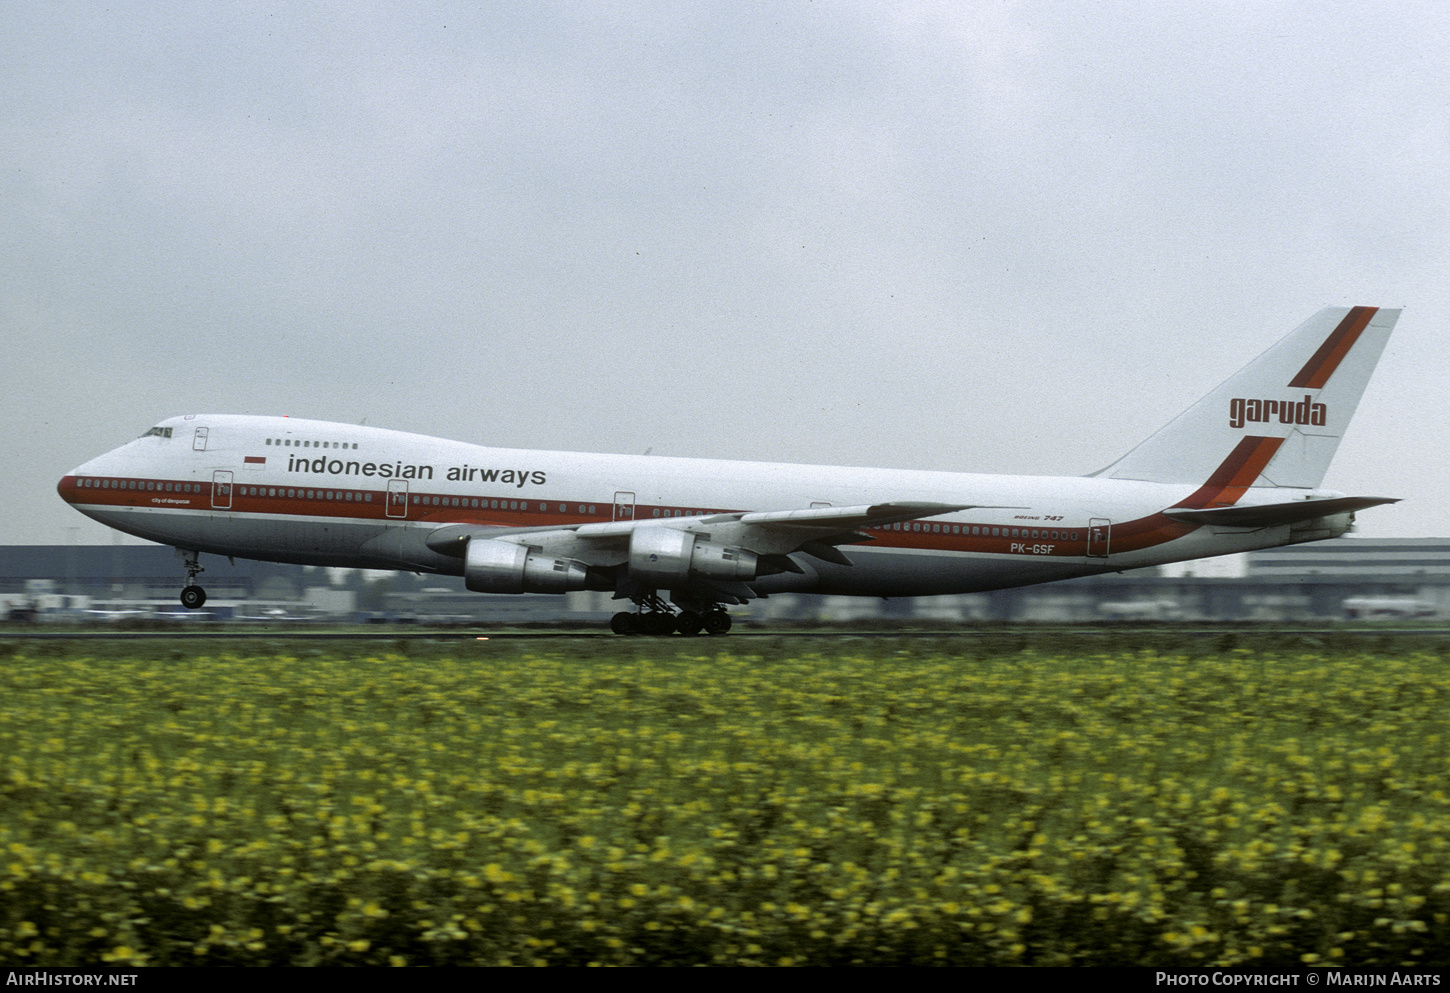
x: 159, y: 432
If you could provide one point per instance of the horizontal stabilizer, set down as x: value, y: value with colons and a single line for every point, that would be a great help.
x: 1274, y: 514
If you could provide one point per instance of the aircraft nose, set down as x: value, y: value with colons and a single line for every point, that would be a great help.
x: 67, y: 485
x: 72, y: 483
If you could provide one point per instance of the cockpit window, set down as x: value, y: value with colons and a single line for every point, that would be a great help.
x: 158, y: 432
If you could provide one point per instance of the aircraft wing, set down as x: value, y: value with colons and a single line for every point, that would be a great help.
x: 773, y: 532
x: 1274, y: 514
x: 816, y: 519
x: 715, y: 555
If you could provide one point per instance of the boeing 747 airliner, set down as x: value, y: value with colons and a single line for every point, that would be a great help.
x: 1239, y: 470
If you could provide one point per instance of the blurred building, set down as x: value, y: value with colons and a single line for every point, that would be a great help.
x: 1346, y: 578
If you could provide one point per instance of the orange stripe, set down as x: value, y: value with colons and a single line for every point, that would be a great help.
x: 1224, y: 488
x: 1235, y: 474
x: 1247, y: 473
x: 1317, y: 370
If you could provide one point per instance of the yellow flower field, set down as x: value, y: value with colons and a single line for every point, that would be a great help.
x: 649, y: 803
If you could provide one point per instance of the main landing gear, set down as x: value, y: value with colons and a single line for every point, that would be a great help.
x: 655, y: 616
x: 193, y: 597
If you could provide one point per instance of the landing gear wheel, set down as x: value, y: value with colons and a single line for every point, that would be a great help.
x: 659, y: 623
x: 717, y: 622
x: 193, y: 596
x: 623, y: 623
x: 689, y: 622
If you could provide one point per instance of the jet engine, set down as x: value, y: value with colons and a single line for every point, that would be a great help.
x: 491, y: 566
x: 668, y: 557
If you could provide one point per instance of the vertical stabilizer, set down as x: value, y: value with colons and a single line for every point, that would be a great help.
x: 1301, y: 393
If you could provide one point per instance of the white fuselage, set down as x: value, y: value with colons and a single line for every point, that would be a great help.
x: 313, y: 492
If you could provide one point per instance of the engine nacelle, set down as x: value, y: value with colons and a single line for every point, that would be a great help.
x: 491, y: 566
x: 668, y: 557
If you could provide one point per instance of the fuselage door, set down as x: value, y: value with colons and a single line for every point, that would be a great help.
x: 623, y: 506
x: 221, y: 488
x: 1100, y: 532
x: 397, y: 498
x: 198, y: 440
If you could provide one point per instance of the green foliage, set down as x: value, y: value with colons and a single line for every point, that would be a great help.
x: 672, y: 802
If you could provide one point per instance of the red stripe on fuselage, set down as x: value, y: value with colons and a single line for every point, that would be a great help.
x: 1235, y: 474
x: 1224, y: 487
x: 151, y: 493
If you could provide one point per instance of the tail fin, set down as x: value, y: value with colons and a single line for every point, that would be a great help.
x: 1302, y: 392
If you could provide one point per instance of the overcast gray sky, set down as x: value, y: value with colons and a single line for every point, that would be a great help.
x: 977, y: 236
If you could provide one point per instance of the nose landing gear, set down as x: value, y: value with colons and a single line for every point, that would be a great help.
x: 193, y: 596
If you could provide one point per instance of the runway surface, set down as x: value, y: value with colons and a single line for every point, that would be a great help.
x: 476, y: 634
